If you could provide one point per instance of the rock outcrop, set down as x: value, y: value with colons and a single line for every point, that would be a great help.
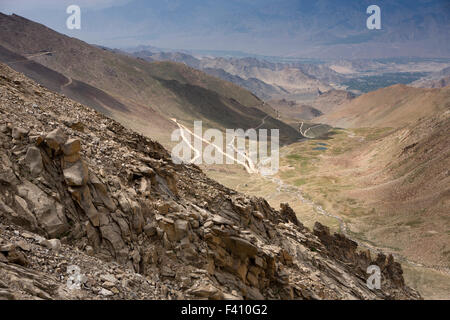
x: 100, y: 197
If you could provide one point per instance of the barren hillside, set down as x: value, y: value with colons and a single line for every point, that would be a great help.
x: 152, y: 92
x: 394, y: 106
x: 78, y: 186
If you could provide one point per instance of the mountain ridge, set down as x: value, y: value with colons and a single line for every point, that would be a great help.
x: 152, y: 92
x: 267, y: 80
x: 394, y: 106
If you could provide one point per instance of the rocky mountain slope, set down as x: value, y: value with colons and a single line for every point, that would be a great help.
x: 385, y: 187
x: 407, y: 178
x: 78, y: 188
x: 151, y: 93
x: 57, y: 82
x: 400, y: 184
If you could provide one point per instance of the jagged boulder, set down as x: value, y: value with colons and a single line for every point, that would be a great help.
x: 55, y: 139
x: 77, y: 175
x: 12, y: 254
x: 34, y: 160
x: 71, y: 147
x: 47, y: 212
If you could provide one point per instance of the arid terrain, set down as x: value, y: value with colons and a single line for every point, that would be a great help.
x: 134, y: 91
x: 324, y: 185
x: 387, y: 186
x: 88, y: 180
x: 85, y: 189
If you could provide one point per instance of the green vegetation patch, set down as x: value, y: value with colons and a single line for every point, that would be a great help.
x: 371, y: 83
x: 300, y: 182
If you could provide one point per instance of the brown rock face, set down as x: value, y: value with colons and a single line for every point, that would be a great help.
x: 164, y: 230
x: 342, y: 248
x: 71, y: 147
x: 287, y: 211
x: 55, y: 139
x: 12, y: 254
x: 34, y: 160
x: 77, y: 174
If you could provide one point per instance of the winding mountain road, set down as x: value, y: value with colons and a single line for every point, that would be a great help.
x: 304, y: 133
x: 34, y: 55
x: 69, y: 82
x: 249, y: 167
x: 343, y: 227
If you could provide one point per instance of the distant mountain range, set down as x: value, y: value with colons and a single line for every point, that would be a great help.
x: 438, y: 79
x: 327, y: 29
x: 267, y: 80
x: 144, y: 96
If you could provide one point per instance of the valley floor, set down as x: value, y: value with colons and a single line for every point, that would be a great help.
x: 315, y: 178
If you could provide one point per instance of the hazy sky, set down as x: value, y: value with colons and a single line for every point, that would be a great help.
x: 276, y: 27
x: 38, y: 5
